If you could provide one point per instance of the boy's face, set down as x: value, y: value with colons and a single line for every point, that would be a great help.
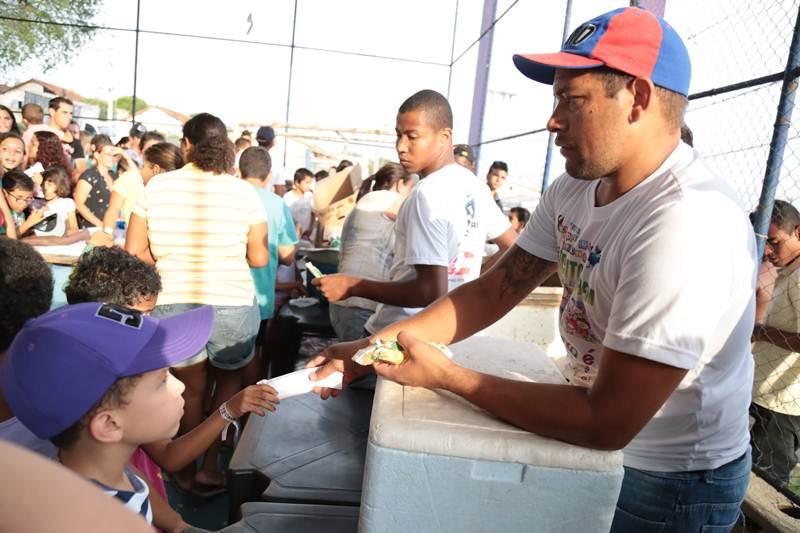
x: 154, y: 409
x: 304, y: 185
x: 496, y: 178
x: 516, y: 225
x: 782, y: 247
x: 419, y: 145
x: 18, y: 199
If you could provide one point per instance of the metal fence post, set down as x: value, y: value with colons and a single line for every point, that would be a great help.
x: 549, y: 154
x: 780, y: 134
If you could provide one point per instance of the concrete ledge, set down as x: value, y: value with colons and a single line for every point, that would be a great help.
x: 767, y: 508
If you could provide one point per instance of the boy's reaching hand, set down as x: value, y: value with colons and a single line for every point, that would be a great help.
x: 253, y: 399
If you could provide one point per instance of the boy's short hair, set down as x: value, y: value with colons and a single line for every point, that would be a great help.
x: 255, y: 162
x: 436, y: 107
x: 64, y: 364
x: 33, y: 113
x: 522, y: 214
x: 111, y: 275
x: 116, y: 396
x: 499, y: 165
x: 26, y: 288
x: 785, y: 216
x: 302, y: 173
x: 242, y: 144
x: 16, y: 179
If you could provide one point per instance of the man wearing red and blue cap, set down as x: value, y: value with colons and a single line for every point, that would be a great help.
x: 659, y: 360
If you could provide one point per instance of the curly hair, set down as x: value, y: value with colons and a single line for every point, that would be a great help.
x: 210, y: 150
x: 50, y: 152
x: 111, y: 275
x: 26, y: 288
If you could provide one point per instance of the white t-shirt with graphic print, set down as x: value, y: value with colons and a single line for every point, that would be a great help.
x: 444, y: 222
x: 666, y: 272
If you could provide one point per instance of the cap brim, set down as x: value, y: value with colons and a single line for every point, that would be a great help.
x: 542, y: 67
x: 176, y: 339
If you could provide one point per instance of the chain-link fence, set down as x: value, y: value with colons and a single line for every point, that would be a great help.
x: 737, y: 88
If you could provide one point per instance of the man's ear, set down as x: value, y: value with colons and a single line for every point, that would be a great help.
x: 106, y: 426
x: 643, y: 92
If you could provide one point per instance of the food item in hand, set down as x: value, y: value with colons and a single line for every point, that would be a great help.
x: 317, y: 273
x: 389, y: 352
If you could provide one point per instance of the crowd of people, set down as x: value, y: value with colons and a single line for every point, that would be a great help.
x: 192, y: 249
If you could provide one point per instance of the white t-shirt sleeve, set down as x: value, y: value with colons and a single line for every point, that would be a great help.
x: 427, y: 235
x: 666, y: 308
x: 497, y: 222
x: 539, y: 236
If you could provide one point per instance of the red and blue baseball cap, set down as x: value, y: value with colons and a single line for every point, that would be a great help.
x: 630, y: 39
x: 62, y: 363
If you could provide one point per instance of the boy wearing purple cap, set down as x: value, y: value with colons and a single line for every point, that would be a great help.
x: 659, y: 358
x: 94, y: 379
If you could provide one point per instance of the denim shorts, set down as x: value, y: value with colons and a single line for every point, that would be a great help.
x: 233, y: 339
x: 706, y: 501
x: 348, y: 322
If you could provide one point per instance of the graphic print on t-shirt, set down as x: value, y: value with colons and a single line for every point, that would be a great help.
x: 576, y: 256
x: 465, y: 262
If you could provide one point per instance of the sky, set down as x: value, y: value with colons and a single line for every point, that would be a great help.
x: 729, y: 41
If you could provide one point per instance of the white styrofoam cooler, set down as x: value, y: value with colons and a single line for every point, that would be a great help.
x: 436, y: 462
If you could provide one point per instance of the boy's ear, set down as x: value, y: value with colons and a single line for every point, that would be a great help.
x: 446, y: 136
x: 105, y: 426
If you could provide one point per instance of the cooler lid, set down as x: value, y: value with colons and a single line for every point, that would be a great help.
x: 440, y: 423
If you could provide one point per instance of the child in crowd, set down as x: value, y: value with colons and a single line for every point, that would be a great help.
x: 94, y: 379
x: 299, y: 202
x: 60, y: 225
x: 518, y: 216
x: 114, y: 276
x: 255, y: 167
x: 18, y: 194
x: 12, y: 152
x: 26, y: 290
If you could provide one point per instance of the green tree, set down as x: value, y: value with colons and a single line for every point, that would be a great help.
x: 102, y: 104
x: 46, y: 39
x: 126, y: 103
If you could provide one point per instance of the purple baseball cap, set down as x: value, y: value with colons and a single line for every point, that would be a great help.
x: 62, y: 363
x: 629, y: 39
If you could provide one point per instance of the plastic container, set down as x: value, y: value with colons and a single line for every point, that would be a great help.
x: 436, y: 462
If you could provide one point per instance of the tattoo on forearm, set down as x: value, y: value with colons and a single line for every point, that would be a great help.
x: 522, y: 272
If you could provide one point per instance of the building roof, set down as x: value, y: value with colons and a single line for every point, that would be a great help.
x: 49, y: 87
